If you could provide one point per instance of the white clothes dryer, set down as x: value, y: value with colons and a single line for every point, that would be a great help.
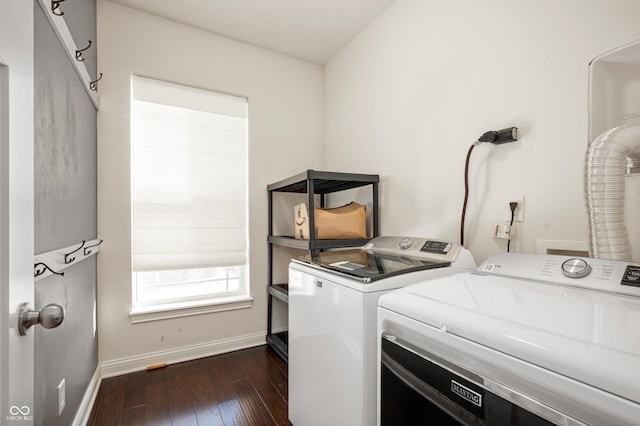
x: 523, y: 340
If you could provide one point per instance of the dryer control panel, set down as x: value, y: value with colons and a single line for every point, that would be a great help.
x: 631, y: 276
x: 597, y: 274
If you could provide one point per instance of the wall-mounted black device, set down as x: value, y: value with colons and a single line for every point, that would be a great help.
x: 510, y: 134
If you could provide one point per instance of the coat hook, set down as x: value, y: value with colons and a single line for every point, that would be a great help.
x: 93, y: 85
x: 87, y: 249
x: 79, y: 52
x: 37, y: 272
x: 67, y: 259
x: 55, y: 6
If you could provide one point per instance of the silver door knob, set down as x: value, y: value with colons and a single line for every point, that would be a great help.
x: 50, y: 316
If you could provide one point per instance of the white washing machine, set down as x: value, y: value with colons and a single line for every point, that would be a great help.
x: 333, y: 299
x: 523, y: 340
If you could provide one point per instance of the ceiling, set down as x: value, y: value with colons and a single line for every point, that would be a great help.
x: 312, y: 30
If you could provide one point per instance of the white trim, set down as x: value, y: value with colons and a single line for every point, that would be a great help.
x: 86, y: 406
x: 62, y: 31
x: 186, y: 353
x: 198, y: 307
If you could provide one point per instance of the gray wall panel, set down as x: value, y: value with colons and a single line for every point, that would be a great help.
x: 65, y: 147
x: 65, y: 214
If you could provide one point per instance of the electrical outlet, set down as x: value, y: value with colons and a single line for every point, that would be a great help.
x: 519, y: 213
x: 62, y: 397
x: 502, y: 231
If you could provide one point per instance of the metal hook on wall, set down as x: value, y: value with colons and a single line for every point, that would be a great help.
x: 37, y: 272
x: 79, y: 52
x: 93, y: 85
x: 55, y: 7
x: 87, y: 249
x: 67, y: 259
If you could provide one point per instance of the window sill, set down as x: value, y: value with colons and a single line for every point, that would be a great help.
x: 198, y: 307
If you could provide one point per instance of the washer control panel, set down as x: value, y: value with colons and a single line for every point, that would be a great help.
x: 421, y: 248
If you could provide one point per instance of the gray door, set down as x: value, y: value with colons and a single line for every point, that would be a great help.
x: 16, y: 210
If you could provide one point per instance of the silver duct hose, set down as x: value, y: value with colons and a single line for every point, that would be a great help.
x: 608, y: 157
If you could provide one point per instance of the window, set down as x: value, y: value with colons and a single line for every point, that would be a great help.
x: 189, y: 197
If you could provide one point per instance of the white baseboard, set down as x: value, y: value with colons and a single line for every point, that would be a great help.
x: 132, y: 364
x: 86, y: 405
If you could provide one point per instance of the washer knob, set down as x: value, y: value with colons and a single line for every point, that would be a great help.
x: 405, y: 243
x: 576, y: 268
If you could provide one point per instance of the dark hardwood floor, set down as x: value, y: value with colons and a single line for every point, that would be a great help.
x: 247, y: 387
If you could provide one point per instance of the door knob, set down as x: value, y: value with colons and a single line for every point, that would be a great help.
x: 50, y: 316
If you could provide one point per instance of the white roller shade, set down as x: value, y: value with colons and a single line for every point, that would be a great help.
x: 189, y: 177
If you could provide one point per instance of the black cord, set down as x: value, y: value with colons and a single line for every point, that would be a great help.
x: 466, y: 191
x: 490, y: 136
x: 510, y: 228
x: 512, y: 206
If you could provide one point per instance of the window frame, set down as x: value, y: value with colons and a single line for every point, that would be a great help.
x: 239, y: 299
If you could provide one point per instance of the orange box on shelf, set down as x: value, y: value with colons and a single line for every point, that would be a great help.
x: 349, y: 221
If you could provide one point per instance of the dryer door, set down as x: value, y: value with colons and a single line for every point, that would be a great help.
x: 416, y: 389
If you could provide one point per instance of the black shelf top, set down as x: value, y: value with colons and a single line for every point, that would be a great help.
x: 323, y: 182
x: 316, y: 244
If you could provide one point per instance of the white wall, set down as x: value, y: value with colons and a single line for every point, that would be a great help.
x: 409, y: 95
x: 285, y: 113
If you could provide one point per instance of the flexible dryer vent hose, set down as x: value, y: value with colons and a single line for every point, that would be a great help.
x: 608, y: 157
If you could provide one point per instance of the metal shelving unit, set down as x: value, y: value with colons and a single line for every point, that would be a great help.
x: 312, y: 183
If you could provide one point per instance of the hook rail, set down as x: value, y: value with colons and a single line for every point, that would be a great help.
x: 53, y: 262
x: 79, y: 56
x: 53, y: 12
x: 68, y: 259
x: 55, y: 7
x: 88, y: 250
x: 37, y: 272
x: 93, y: 85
